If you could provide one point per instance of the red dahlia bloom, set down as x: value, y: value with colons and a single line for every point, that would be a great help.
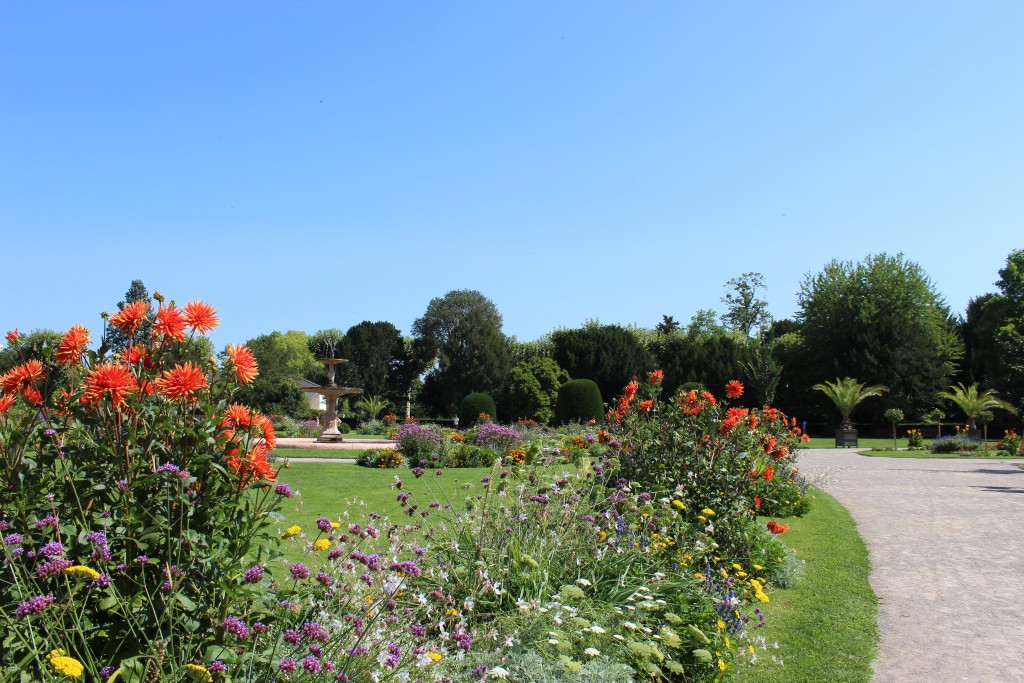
x: 182, y: 381
x: 733, y: 389
x: 169, y: 322
x: 200, y: 316
x: 244, y: 362
x: 72, y: 346
x: 130, y: 318
x: 777, y: 528
x: 111, y: 380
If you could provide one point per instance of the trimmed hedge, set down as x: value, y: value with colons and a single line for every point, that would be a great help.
x: 579, y: 400
x: 471, y: 407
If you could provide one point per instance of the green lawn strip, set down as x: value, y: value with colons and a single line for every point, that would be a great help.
x: 330, y: 453
x: 827, y: 624
x: 329, y: 489
x: 828, y: 442
x: 927, y: 455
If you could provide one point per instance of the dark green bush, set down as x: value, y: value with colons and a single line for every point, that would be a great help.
x: 466, y: 455
x: 472, y: 406
x: 579, y: 400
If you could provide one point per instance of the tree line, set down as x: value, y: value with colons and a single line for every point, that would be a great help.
x: 880, y: 320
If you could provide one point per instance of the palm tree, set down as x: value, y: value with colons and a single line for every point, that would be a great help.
x: 973, y: 402
x: 372, y: 405
x: 847, y: 393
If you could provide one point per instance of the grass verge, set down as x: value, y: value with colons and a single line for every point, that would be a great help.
x: 927, y: 455
x: 827, y: 624
x: 329, y: 453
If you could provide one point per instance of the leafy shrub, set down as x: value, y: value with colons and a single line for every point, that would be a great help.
x: 465, y: 455
x: 379, y: 458
x: 915, y: 440
x: 579, y: 400
x: 956, y: 444
x: 1011, y: 443
x: 472, y: 406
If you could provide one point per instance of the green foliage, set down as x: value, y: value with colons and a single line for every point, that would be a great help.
x: 472, y: 406
x: 275, y: 395
x: 462, y: 332
x: 608, y: 354
x: 281, y: 358
x: 763, y: 372
x: 973, y: 402
x: 579, y: 400
x: 372, y: 406
x: 847, y: 393
x: 378, y: 361
x: 532, y: 389
x: 710, y: 356
x: 881, y: 320
x: 747, y: 313
x: 993, y: 332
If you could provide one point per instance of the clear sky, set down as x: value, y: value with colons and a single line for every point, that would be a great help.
x: 304, y: 165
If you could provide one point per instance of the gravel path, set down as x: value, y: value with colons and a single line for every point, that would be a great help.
x: 946, y: 540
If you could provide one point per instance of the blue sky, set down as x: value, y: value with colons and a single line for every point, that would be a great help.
x: 304, y: 165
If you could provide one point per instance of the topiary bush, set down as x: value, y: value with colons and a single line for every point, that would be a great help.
x: 579, y: 400
x: 472, y: 406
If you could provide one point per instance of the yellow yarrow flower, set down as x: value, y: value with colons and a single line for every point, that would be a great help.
x: 737, y: 567
x: 708, y: 511
x: 291, y: 531
x: 64, y: 665
x: 199, y: 673
x: 321, y: 545
x: 82, y: 572
x: 335, y: 525
x: 434, y: 656
x: 679, y: 504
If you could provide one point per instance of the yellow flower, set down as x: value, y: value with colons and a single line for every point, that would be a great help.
x: 721, y: 666
x: 758, y: 567
x: 720, y: 625
x: 702, y: 518
x: 199, y: 673
x: 434, y: 656
x: 335, y: 525
x: 66, y: 666
x: 291, y: 531
x: 321, y: 545
x: 708, y: 511
x: 699, y: 577
x: 82, y: 572
x: 737, y: 567
x: 679, y: 504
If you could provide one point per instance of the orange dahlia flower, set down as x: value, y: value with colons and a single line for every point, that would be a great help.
x: 5, y: 403
x: 200, y: 316
x: 169, y: 322
x: 182, y: 381
x: 734, y: 389
x: 244, y: 363
x: 21, y: 376
x: 72, y: 345
x: 109, y: 379
x: 130, y: 318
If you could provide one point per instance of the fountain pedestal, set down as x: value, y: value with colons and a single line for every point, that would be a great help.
x: 331, y: 392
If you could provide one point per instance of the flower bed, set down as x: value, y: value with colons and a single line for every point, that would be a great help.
x: 140, y: 538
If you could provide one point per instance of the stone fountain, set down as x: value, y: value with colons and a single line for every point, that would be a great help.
x: 331, y: 392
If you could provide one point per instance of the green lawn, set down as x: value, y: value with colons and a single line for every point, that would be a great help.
x: 328, y: 488
x: 330, y: 453
x: 826, y: 625
x: 928, y: 455
x: 830, y: 442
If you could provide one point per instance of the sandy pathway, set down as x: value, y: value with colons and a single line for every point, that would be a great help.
x: 946, y: 539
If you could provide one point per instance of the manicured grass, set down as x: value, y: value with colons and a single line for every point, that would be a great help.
x: 328, y: 488
x: 830, y: 442
x: 331, y: 453
x: 827, y: 624
x: 929, y: 455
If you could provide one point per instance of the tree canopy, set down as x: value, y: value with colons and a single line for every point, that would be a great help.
x: 610, y: 355
x: 880, y: 320
x: 462, y: 332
